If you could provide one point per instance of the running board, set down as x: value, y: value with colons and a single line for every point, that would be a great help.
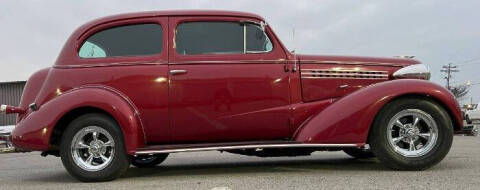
x: 232, y: 146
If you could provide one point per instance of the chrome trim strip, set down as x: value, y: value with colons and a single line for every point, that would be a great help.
x: 351, y: 63
x: 3, y: 108
x: 89, y: 65
x: 340, y: 71
x: 232, y: 62
x: 344, y: 78
x: 347, y: 74
x: 299, y: 145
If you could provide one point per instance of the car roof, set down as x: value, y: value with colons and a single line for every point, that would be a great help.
x: 80, y: 30
x: 175, y: 13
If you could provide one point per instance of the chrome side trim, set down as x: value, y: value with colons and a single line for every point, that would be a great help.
x: 299, y: 145
x: 260, y: 61
x: 345, y: 74
x: 344, y: 78
x: 3, y: 108
x: 90, y: 65
x: 351, y: 63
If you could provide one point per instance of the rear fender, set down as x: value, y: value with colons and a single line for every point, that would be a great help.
x: 34, y: 132
x: 348, y: 120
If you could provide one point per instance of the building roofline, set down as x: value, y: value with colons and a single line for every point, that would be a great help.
x: 12, y: 82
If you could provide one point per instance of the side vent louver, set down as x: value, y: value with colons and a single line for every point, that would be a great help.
x: 351, y: 74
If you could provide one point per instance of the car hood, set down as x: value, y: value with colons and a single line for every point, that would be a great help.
x: 357, y: 60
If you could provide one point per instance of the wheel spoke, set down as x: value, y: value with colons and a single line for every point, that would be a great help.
x: 81, y: 145
x: 415, y: 121
x: 424, y: 135
x: 89, y: 159
x: 397, y: 139
x: 95, y: 136
x: 412, y: 145
x: 399, y: 124
x: 109, y: 143
x: 104, y: 159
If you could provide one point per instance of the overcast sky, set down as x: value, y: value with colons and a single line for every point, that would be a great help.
x: 436, y: 32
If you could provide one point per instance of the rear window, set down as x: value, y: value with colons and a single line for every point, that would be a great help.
x: 131, y: 40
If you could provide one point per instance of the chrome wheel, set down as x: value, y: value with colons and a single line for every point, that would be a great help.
x: 92, y: 148
x: 412, y: 132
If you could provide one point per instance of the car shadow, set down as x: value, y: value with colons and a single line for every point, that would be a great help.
x: 275, y: 166
x: 284, y: 166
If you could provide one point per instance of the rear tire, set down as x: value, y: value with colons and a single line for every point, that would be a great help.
x: 147, y: 161
x: 92, y: 149
x: 412, y: 144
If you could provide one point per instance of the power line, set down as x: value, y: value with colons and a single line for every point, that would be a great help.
x: 470, y: 63
x: 470, y: 60
x: 449, y: 69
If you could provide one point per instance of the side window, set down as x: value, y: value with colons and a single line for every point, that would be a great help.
x: 193, y: 38
x: 131, y: 40
x: 257, y: 40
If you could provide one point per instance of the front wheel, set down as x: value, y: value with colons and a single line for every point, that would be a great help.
x: 411, y: 134
x: 92, y: 149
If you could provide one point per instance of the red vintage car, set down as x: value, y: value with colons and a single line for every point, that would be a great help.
x: 132, y: 88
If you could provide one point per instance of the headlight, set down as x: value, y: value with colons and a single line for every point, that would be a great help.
x: 418, y: 71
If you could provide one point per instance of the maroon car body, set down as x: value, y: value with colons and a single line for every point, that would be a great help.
x: 171, y: 102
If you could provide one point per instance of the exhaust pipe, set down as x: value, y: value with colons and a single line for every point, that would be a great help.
x: 11, y: 109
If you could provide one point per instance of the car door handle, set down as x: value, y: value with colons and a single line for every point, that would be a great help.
x: 343, y: 86
x: 178, y: 72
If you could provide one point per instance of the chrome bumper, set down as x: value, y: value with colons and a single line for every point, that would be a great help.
x: 6, y: 143
x: 470, y: 130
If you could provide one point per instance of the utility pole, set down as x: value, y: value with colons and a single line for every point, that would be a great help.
x: 449, y: 69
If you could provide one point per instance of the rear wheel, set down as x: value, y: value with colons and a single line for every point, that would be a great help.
x: 411, y: 134
x: 92, y: 149
x: 146, y: 161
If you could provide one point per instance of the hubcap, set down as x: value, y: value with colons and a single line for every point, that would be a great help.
x: 412, y: 133
x: 92, y: 148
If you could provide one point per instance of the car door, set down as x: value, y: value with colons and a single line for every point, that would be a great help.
x: 222, y: 87
x: 133, y: 56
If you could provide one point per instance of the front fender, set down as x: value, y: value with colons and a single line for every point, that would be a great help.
x: 348, y: 120
x: 34, y: 132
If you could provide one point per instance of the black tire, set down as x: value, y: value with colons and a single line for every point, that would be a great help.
x: 359, y: 153
x: 467, y: 119
x: 119, y: 162
x: 147, y: 161
x: 385, y: 152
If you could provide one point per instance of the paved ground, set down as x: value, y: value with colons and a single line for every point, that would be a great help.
x: 214, y: 170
